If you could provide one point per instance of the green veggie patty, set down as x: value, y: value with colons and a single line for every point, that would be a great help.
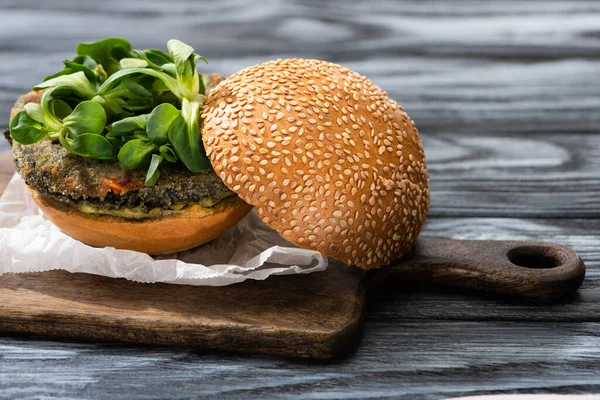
x: 51, y: 170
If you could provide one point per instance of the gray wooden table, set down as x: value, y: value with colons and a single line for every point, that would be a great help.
x: 507, y: 98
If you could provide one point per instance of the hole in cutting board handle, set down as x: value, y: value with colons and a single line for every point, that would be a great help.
x: 536, y: 257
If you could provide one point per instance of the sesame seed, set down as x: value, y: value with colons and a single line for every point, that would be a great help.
x: 374, y: 189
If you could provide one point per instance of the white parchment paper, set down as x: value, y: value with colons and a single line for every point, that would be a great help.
x: 250, y: 250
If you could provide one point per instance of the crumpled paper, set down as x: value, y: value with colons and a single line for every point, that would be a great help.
x: 250, y: 250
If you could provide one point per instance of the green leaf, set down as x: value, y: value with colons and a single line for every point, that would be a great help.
x: 128, y: 125
x: 146, y: 81
x: 159, y: 86
x: 160, y: 121
x: 77, y: 82
x: 198, y: 57
x: 137, y: 90
x: 133, y: 63
x: 127, y: 96
x: 60, y: 108
x: 203, y: 84
x: 85, y: 61
x: 80, y: 63
x: 111, y: 106
x: 107, y: 52
x: 26, y: 130
x: 170, y: 83
x: 184, y: 134
x: 84, y: 64
x: 88, y: 145
x: 141, y: 135
x: 34, y: 111
x: 169, y: 68
x: 181, y: 54
x: 119, y: 52
x: 87, y: 117
x: 153, y: 173
x: 117, y: 142
x: 168, y: 153
x: 185, y: 67
x: 155, y: 58
x: 51, y: 121
x: 136, y: 154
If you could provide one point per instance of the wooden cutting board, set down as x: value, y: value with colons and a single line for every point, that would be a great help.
x: 317, y: 316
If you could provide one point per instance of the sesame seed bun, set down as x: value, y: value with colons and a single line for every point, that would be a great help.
x: 327, y: 159
x: 163, y: 235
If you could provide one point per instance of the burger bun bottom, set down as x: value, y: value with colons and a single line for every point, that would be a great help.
x: 190, y: 228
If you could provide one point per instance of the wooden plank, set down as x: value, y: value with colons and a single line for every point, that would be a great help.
x: 583, y: 235
x: 313, y: 315
x: 397, y: 359
x: 527, y: 69
x: 545, y: 175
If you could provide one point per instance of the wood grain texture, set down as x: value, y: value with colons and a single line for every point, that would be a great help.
x: 313, y: 316
x: 485, y: 82
x: 398, y: 359
x: 456, y: 66
x: 582, y: 234
x: 512, y: 175
x: 316, y: 316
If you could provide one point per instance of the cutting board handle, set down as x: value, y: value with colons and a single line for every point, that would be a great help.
x: 535, y: 271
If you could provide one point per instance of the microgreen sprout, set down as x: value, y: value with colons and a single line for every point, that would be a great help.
x: 140, y: 107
